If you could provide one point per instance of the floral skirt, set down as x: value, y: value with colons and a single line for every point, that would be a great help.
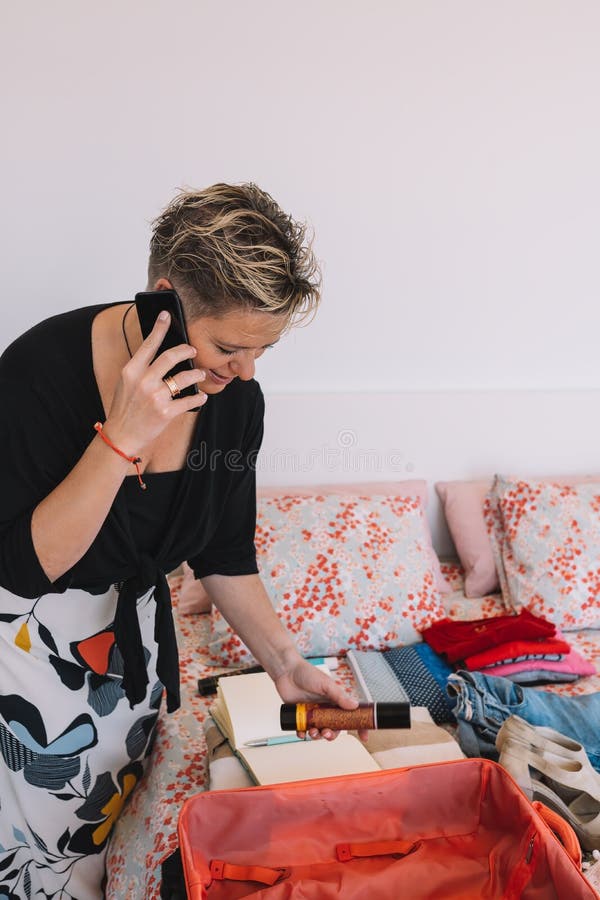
x: 71, y: 749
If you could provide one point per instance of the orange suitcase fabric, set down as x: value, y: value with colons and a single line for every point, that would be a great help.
x: 460, y: 830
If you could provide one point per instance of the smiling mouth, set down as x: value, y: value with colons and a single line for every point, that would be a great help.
x: 219, y: 378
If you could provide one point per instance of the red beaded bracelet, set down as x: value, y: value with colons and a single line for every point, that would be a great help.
x: 136, y: 460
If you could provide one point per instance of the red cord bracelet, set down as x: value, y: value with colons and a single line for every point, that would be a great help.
x: 136, y: 460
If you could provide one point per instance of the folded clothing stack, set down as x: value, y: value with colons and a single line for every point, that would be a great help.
x: 414, y: 673
x: 525, y: 648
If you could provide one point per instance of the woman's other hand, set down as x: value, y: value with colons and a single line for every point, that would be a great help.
x: 243, y: 601
x: 303, y: 681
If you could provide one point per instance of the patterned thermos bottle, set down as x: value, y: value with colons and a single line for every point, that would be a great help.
x: 302, y: 716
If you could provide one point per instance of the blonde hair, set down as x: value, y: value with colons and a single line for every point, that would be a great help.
x: 231, y: 246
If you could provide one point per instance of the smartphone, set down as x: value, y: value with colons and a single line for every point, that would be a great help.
x: 149, y: 304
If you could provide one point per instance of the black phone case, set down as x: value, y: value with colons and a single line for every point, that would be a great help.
x: 149, y: 304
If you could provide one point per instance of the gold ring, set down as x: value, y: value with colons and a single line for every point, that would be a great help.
x: 172, y: 385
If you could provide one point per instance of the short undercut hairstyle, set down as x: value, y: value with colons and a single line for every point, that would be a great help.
x: 231, y: 247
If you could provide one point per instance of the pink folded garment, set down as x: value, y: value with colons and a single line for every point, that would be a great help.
x: 572, y: 664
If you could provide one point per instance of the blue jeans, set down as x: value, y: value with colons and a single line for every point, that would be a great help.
x: 483, y: 702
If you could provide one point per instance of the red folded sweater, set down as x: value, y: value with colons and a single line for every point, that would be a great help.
x: 513, y: 649
x: 458, y: 640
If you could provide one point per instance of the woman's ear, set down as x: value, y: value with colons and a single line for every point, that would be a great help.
x: 162, y: 284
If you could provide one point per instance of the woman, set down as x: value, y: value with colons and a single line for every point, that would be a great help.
x: 86, y: 633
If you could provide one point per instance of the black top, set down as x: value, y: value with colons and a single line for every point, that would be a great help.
x: 148, y: 519
x: 49, y: 403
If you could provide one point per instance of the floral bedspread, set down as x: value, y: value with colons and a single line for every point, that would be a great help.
x: 146, y: 832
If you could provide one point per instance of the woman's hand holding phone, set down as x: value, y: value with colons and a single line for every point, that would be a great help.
x: 142, y: 405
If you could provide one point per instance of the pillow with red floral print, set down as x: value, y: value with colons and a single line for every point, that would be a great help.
x: 343, y: 572
x: 194, y: 599
x: 546, y: 544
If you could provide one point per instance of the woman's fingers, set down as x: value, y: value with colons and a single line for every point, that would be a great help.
x: 326, y: 733
x: 181, y: 404
x: 150, y: 346
x: 168, y: 359
x: 143, y: 404
x: 187, y: 378
x: 143, y: 365
x: 315, y: 735
x: 336, y: 693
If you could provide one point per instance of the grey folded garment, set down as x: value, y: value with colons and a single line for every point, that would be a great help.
x: 537, y: 676
x: 414, y: 672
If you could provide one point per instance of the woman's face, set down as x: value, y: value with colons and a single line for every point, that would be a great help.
x: 228, y: 346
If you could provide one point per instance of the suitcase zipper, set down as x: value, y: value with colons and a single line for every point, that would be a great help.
x: 529, y: 853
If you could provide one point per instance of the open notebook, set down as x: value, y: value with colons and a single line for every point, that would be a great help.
x: 247, y: 709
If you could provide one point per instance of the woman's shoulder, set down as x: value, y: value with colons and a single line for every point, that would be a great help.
x: 59, y: 341
x: 244, y: 396
x: 236, y: 413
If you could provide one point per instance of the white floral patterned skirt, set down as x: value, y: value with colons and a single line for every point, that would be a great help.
x: 71, y: 749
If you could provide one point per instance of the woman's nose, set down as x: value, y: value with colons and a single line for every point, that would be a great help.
x: 243, y: 366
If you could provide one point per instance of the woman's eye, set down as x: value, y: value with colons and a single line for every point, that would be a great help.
x: 226, y: 352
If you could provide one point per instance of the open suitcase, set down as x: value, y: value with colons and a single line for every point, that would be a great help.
x: 459, y: 830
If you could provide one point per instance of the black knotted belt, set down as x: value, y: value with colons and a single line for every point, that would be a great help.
x: 128, y: 636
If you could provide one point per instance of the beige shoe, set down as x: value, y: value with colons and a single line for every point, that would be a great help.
x: 541, y: 739
x: 564, y: 785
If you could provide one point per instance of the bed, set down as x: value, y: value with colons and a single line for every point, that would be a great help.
x: 146, y: 832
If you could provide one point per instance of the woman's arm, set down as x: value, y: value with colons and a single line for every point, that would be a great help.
x: 244, y: 602
x: 65, y: 523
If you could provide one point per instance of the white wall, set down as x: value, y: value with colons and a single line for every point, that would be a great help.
x: 446, y: 154
x: 430, y: 435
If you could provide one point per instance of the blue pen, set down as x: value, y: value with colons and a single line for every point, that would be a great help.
x: 272, y: 741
